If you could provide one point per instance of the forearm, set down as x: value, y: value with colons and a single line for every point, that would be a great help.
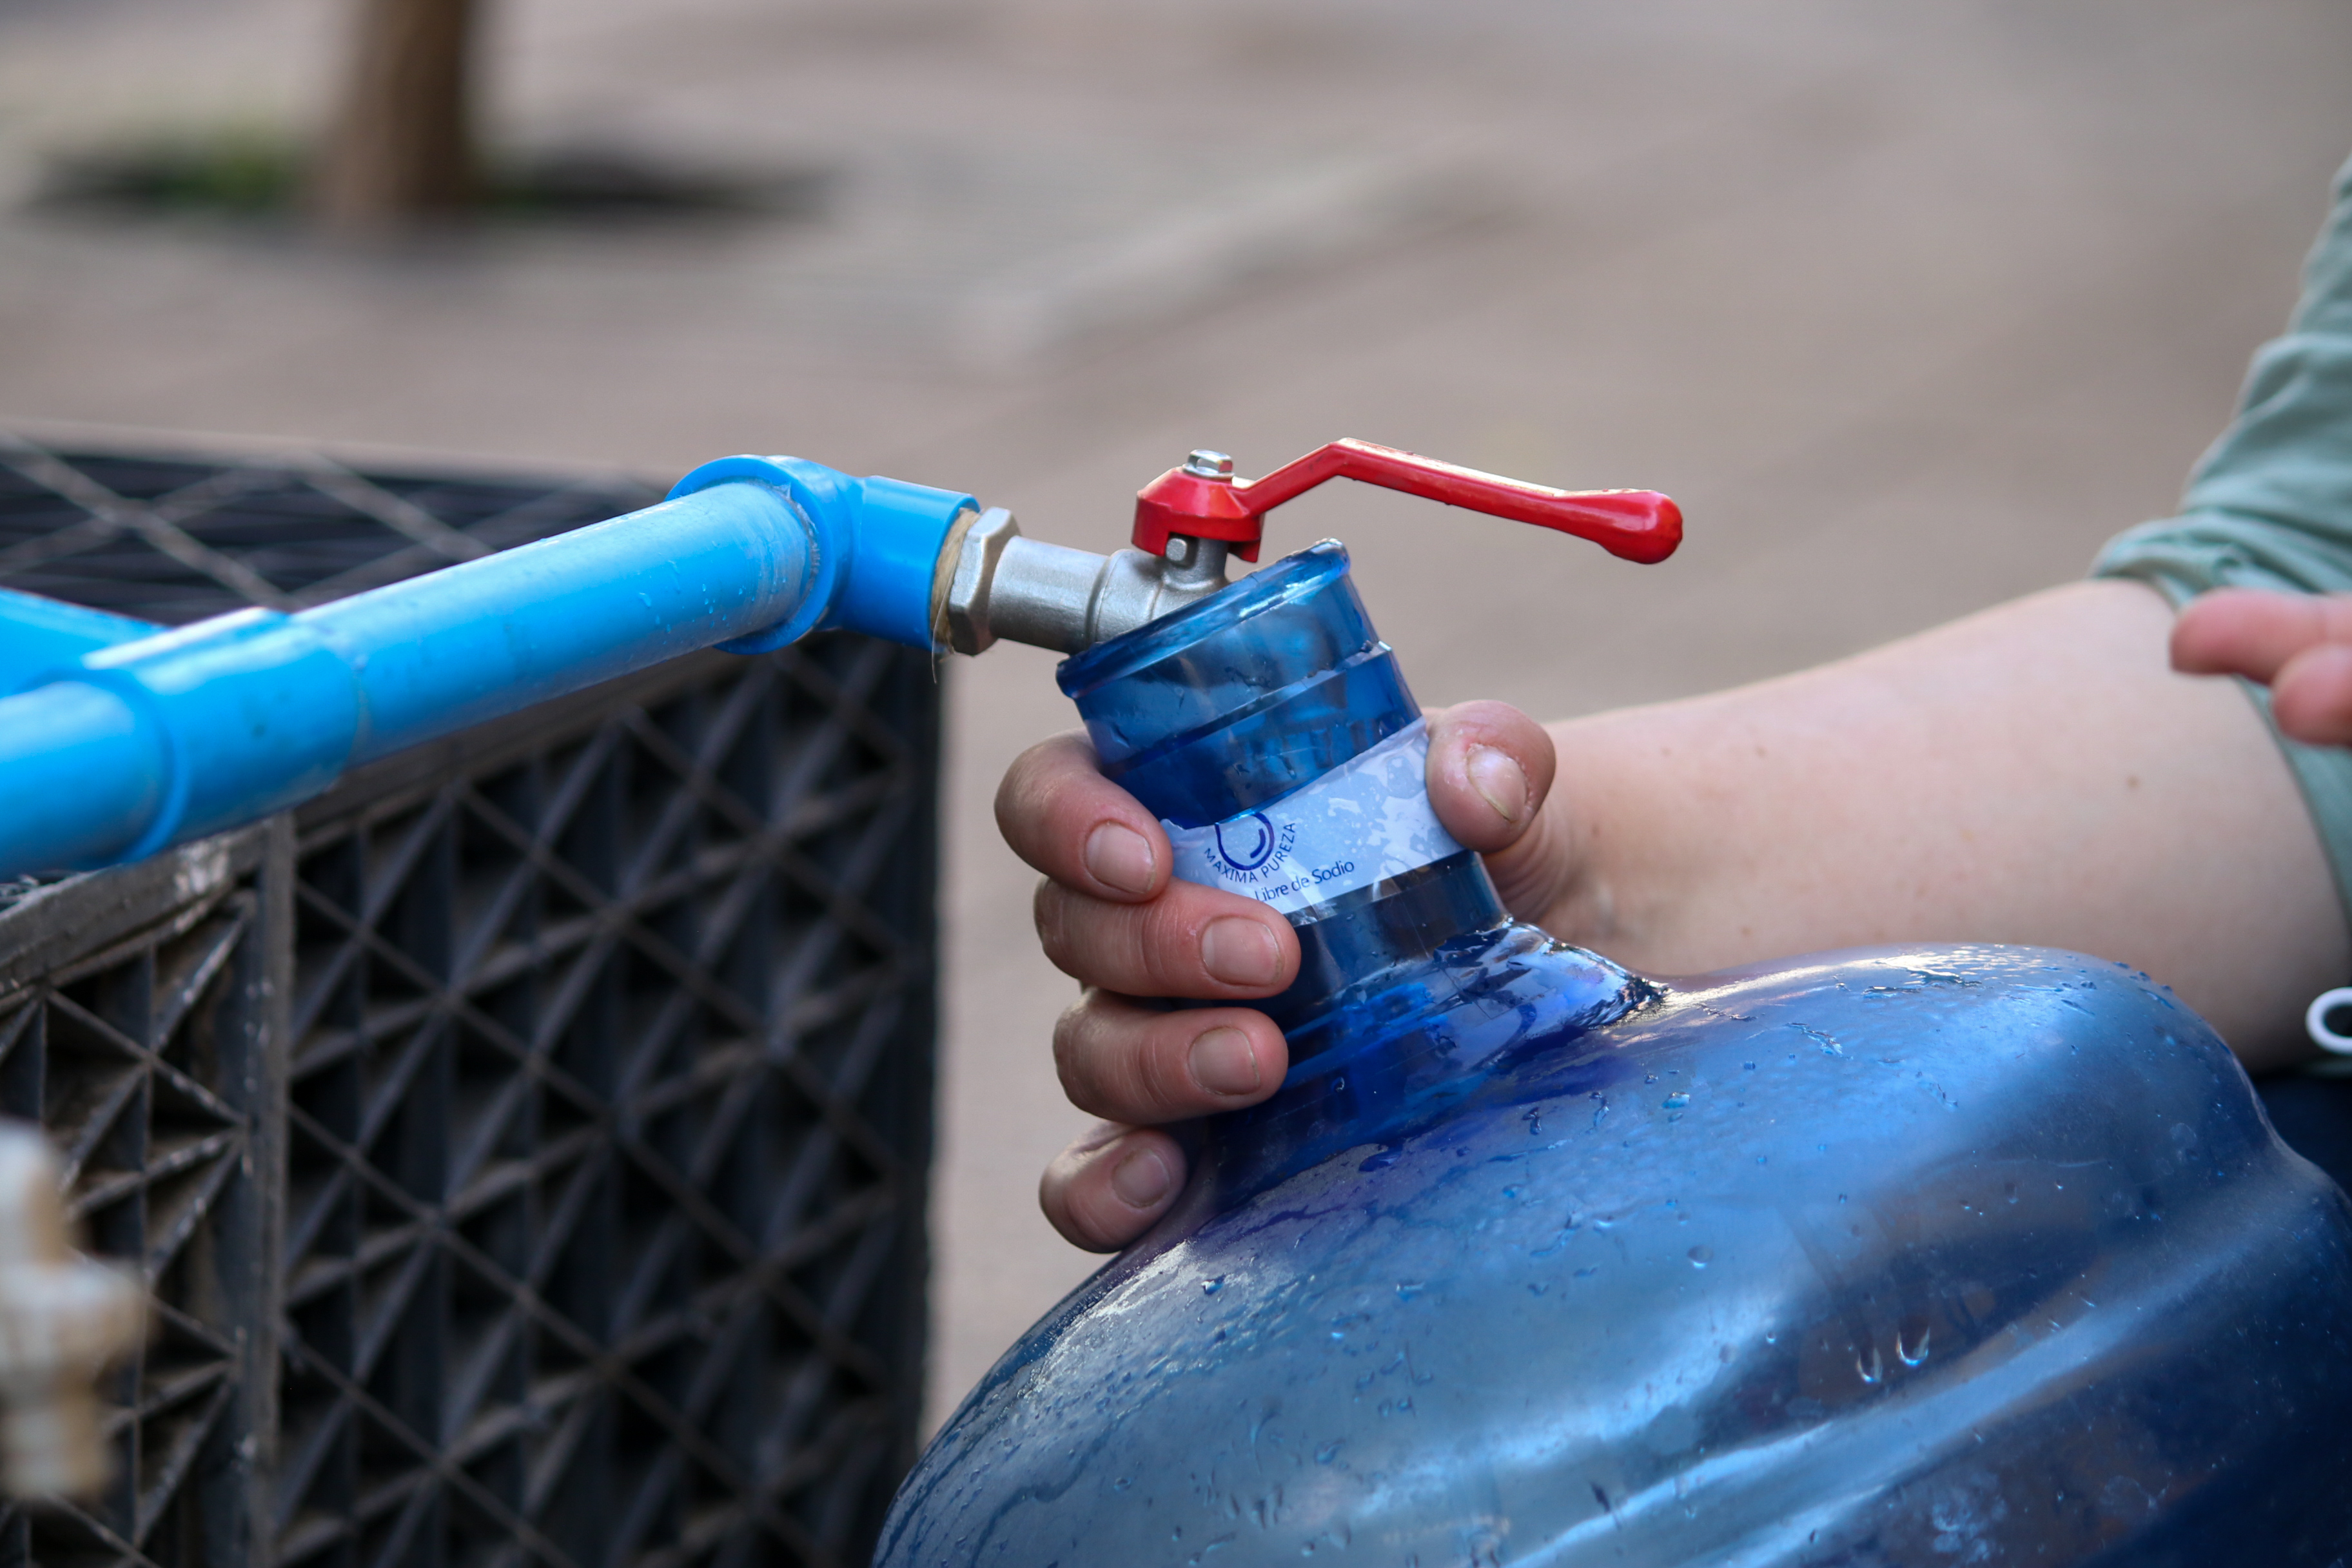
x: 2032, y: 774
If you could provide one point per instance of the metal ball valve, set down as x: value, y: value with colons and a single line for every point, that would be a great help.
x: 1192, y: 518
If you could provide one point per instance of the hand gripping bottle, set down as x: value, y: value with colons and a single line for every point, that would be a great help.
x: 1900, y: 1256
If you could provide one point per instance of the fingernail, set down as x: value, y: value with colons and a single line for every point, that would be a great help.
x: 1222, y: 1061
x: 1140, y: 1179
x: 1239, y: 951
x: 1120, y: 858
x: 1499, y: 781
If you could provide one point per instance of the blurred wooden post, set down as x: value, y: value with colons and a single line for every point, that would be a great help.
x: 401, y: 146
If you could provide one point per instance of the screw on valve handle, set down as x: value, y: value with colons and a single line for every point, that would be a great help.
x: 1191, y: 518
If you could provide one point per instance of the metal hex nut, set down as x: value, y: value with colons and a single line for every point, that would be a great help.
x: 975, y: 576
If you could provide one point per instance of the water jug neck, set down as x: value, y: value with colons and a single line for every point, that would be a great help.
x: 1375, y: 933
x: 1269, y: 728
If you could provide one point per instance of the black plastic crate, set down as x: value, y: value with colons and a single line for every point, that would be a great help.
x: 528, y: 1140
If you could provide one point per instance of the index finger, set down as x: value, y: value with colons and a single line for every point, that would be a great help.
x: 1064, y: 818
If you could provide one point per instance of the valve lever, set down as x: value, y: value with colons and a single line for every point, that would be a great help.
x: 1194, y: 501
x: 1191, y: 518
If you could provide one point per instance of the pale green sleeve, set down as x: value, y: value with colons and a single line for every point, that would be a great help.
x: 2271, y: 505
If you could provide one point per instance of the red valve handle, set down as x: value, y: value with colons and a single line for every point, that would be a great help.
x: 1636, y: 525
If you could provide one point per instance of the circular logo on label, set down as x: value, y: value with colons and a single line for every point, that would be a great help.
x: 1246, y: 842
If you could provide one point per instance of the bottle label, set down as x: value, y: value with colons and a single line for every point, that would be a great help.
x: 1365, y: 821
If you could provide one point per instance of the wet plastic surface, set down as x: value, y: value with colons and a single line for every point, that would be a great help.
x: 1914, y: 1256
x: 2314, y: 1116
x: 1901, y: 1256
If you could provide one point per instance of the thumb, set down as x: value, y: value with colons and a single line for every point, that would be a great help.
x: 1490, y: 767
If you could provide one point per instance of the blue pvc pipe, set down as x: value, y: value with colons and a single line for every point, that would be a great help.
x: 37, y: 634
x: 75, y: 775
x: 115, y: 753
x: 440, y: 653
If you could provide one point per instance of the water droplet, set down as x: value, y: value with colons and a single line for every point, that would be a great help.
x: 2012, y: 1189
x: 1677, y: 1101
x: 1510, y: 1191
x: 1380, y: 1161
x: 1650, y: 1077
x: 1840, y: 1197
x: 1701, y: 1256
x: 1328, y: 1451
x: 1586, y: 1273
x: 1408, y: 1289
x: 1912, y: 1354
x: 1874, y: 1370
x: 1761, y: 1160
x: 1749, y: 1067
x: 1210, y: 1287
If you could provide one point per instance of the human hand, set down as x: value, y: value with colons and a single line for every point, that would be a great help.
x: 1109, y: 915
x: 2299, y: 645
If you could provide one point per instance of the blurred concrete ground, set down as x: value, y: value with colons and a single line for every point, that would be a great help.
x: 1911, y: 306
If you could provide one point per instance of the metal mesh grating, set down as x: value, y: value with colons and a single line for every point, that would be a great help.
x: 582, y: 1204
x: 176, y: 538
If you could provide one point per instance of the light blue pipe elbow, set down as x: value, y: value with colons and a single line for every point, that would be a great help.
x: 162, y: 737
x: 878, y: 545
x: 37, y: 634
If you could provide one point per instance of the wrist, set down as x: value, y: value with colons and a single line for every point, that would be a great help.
x: 1613, y: 863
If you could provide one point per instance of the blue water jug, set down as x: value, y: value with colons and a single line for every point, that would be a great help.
x: 1901, y: 1256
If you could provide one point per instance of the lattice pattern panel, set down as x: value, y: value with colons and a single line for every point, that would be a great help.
x: 529, y: 1145
x: 142, y: 1063
x: 606, y: 1139
x: 177, y: 539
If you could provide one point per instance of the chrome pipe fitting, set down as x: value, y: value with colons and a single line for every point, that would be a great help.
x: 1009, y: 588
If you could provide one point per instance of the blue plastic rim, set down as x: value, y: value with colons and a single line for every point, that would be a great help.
x: 1244, y: 697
